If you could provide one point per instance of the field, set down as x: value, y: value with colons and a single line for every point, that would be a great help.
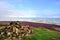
x: 45, y: 34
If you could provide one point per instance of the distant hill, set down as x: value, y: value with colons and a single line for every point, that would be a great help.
x: 34, y: 24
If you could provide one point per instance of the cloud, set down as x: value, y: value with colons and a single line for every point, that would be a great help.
x: 17, y: 13
x: 6, y: 6
x: 9, y: 11
x: 47, y: 13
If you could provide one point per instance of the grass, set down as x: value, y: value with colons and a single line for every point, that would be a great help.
x: 45, y: 34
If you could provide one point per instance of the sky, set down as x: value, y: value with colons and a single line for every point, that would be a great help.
x: 15, y: 9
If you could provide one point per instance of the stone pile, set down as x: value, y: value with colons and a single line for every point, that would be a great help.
x: 15, y: 31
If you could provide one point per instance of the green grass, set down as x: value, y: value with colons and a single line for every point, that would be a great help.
x: 45, y: 34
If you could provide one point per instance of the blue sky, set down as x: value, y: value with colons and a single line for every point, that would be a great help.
x: 29, y: 9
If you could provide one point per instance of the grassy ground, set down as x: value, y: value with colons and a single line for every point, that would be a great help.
x: 43, y: 34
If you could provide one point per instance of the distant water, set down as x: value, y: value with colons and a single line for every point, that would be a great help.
x: 50, y: 20
x: 45, y: 20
